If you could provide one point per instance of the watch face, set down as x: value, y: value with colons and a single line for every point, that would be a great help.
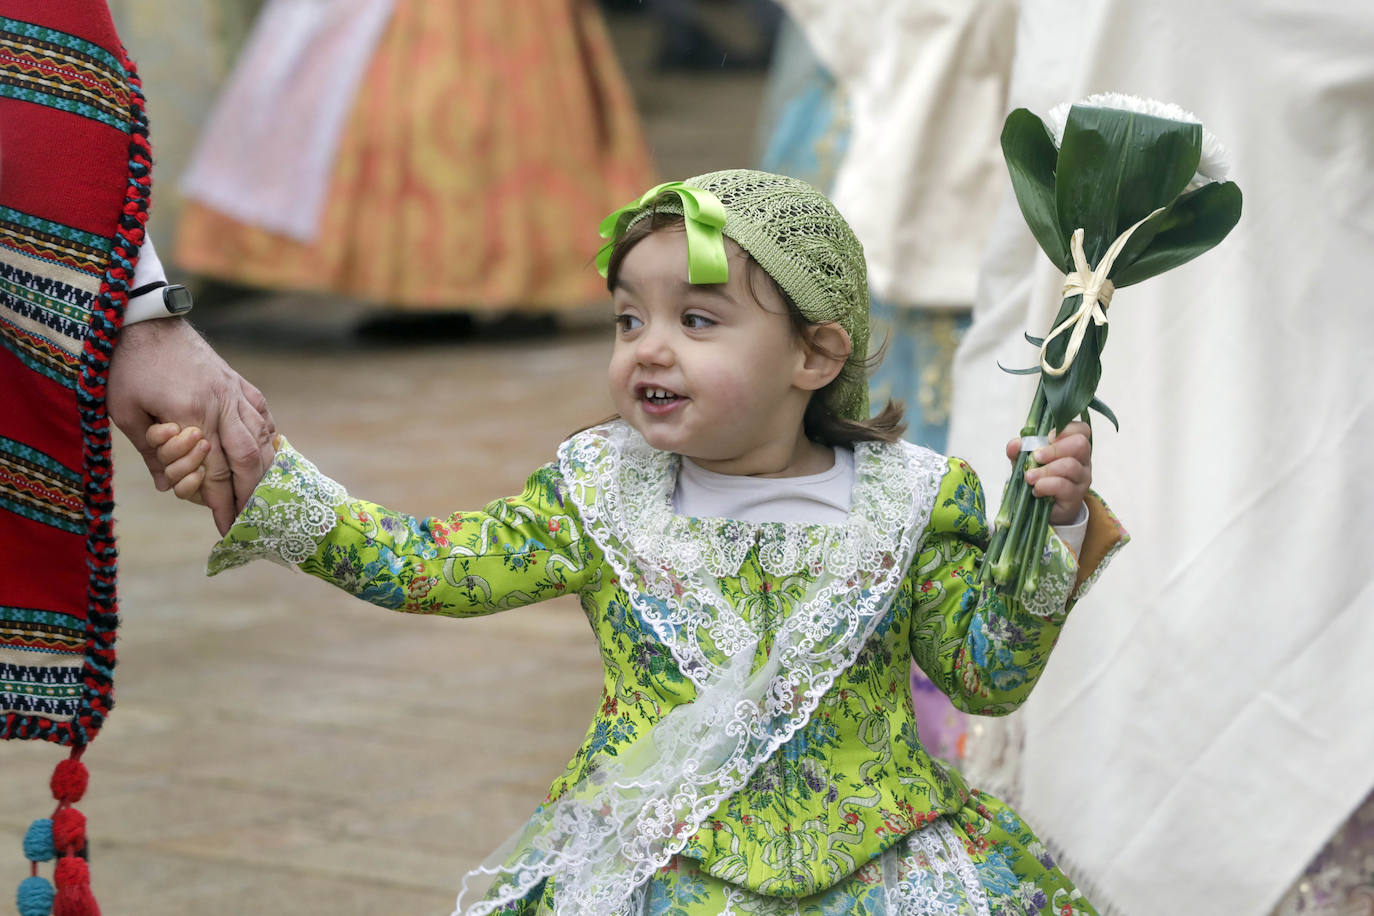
x: 177, y: 299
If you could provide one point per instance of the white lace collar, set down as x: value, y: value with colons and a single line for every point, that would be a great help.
x: 621, y: 482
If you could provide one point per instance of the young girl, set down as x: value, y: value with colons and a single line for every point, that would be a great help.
x: 760, y: 562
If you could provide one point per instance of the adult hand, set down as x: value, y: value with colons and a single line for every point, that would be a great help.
x: 163, y: 371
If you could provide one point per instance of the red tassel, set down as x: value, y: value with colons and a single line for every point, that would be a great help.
x: 69, y: 781
x: 74, y: 897
x: 75, y: 901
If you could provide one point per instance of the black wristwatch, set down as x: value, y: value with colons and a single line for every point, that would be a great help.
x: 176, y: 299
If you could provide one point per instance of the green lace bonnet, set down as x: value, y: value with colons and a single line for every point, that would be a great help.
x: 793, y: 232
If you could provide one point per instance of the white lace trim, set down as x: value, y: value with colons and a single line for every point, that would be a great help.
x: 932, y: 875
x: 287, y: 532
x: 611, y: 831
x: 1055, y: 578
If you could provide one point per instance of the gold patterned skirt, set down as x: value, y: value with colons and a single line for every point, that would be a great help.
x: 486, y: 142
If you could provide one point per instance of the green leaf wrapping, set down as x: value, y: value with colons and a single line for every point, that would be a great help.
x: 1196, y: 223
x: 1115, y: 167
x: 1030, y: 154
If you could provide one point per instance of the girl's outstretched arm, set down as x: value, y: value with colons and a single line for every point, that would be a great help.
x: 513, y: 552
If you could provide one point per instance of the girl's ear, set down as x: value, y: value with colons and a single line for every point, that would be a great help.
x: 826, y: 348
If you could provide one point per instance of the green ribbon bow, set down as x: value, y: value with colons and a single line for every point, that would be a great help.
x: 704, y: 216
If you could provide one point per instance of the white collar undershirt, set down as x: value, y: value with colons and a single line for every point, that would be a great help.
x: 815, y: 499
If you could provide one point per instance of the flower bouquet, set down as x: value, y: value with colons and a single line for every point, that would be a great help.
x: 1115, y: 189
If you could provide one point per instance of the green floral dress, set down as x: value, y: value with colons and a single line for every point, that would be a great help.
x: 755, y: 749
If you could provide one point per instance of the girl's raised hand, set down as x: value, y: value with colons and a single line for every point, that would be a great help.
x: 1065, y: 470
x: 182, y: 453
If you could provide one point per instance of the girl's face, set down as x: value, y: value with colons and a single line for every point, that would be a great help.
x: 707, y: 371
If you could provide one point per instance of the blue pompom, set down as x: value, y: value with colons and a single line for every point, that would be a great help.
x: 38, y: 845
x: 35, y: 897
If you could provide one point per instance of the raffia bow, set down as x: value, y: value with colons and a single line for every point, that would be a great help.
x: 1096, y: 291
x: 702, y: 213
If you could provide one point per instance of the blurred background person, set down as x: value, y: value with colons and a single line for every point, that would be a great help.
x: 185, y: 50
x: 418, y: 154
x: 1207, y: 733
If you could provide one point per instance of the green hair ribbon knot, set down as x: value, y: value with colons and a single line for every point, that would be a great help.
x: 702, y: 213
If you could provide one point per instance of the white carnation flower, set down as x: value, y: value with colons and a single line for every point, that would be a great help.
x: 1214, y: 164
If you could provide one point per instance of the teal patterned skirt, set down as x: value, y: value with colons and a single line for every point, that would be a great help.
x: 980, y: 861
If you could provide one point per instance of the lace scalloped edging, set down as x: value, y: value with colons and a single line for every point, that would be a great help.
x: 1055, y: 578
x: 287, y: 532
x: 931, y: 874
x: 633, y: 493
x: 1096, y: 574
x: 610, y: 832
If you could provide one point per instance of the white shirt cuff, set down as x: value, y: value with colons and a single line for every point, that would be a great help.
x: 1073, y: 533
x: 148, y: 270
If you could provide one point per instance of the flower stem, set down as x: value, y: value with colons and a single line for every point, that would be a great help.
x: 1000, y: 561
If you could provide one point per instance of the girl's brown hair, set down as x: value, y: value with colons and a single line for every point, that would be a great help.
x: 818, y: 422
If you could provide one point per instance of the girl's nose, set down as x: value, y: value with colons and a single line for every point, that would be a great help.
x: 654, y: 348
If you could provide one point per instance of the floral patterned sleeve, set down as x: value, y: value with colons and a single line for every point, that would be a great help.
x: 985, y: 650
x: 514, y: 552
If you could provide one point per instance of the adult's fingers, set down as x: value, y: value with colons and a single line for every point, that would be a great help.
x: 258, y: 402
x: 218, y: 488
x: 247, y: 436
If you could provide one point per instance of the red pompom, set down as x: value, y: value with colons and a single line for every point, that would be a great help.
x: 69, y: 781
x: 68, y: 830
x: 71, y: 871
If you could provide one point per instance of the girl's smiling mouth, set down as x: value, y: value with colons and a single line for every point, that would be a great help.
x: 655, y: 399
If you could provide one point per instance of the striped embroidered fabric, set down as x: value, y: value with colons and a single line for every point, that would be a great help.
x: 46, y: 240
x: 43, y: 690
x: 61, y: 71
x: 37, y: 487
x: 25, y: 629
x: 45, y: 308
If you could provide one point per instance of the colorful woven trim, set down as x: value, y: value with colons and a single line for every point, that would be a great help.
x: 36, y: 487
x: 62, y: 71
